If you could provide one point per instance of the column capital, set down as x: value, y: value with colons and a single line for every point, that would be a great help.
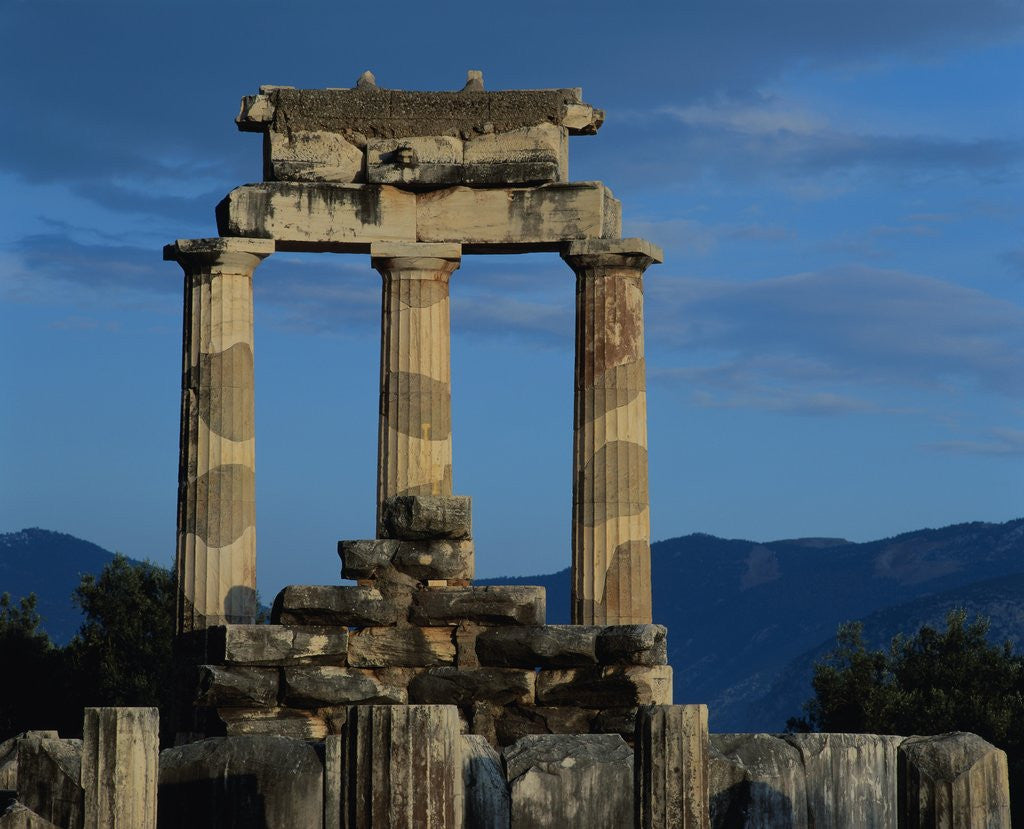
x: 612, y: 254
x: 221, y: 253
x: 427, y: 257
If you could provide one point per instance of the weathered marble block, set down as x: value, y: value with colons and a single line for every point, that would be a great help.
x: 755, y: 779
x: 401, y: 647
x: 244, y: 686
x: 563, y: 781
x: 606, y: 687
x: 632, y: 645
x: 851, y: 778
x: 464, y: 686
x: 504, y: 724
x: 351, y: 217
x: 429, y: 517
x: 297, y: 724
x: 328, y: 685
x: 672, y: 767
x: 120, y: 767
x: 550, y: 646
x: 269, y: 782
x: 279, y: 644
x: 421, y: 560
x: 49, y: 779
x: 952, y: 780
x: 402, y: 768
x: 9, y: 756
x: 18, y: 816
x: 514, y: 604
x: 328, y: 605
x: 483, y: 781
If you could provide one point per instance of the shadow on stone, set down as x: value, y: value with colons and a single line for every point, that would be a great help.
x: 232, y: 802
x: 751, y: 803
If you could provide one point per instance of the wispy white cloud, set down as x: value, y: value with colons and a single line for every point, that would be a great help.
x: 1000, y: 442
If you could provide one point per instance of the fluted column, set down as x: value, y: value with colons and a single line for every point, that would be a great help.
x: 216, y: 550
x: 415, y: 437
x: 611, y: 554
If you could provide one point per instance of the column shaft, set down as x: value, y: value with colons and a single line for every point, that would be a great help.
x: 611, y: 558
x: 415, y: 436
x: 216, y: 548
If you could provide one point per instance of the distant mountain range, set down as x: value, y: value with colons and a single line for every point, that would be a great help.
x: 746, y: 619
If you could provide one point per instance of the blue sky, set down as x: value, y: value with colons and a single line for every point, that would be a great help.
x: 835, y: 341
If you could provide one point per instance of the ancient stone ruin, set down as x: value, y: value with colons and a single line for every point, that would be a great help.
x: 413, y: 698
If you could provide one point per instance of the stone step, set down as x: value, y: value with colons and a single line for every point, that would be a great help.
x: 329, y: 605
x: 511, y: 604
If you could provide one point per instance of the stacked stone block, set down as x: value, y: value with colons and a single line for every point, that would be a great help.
x: 414, y: 630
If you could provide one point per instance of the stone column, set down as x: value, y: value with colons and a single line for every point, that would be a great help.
x: 611, y: 556
x: 415, y: 438
x: 671, y: 767
x: 216, y: 553
x: 120, y: 758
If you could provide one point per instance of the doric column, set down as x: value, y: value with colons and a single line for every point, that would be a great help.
x: 611, y: 556
x: 415, y: 438
x: 216, y: 552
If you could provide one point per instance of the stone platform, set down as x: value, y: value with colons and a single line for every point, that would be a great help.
x: 414, y: 630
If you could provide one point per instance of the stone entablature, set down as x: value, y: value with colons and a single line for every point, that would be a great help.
x: 417, y: 139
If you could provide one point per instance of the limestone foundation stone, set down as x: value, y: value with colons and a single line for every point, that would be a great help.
x: 611, y: 558
x: 49, y: 779
x: 671, y: 780
x: 215, y: 562
x: 402, y: 768
x: 120, y: 767
x: 415, y: 435
x: 486, y: 803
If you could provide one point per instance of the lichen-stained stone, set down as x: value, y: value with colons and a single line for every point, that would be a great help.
x: 611, y: 557
x: 312, y: 155
x: 49, y: 780
x: 540, y: 144
x: 952, y: 780
x: 9, y: 756
x: 620, y: 720
x: 466, y: 634
x: 19, y: 816
x: 521, y: 218
x: 632, y: 645
x: 464, y: 686
x: 215, y: 559
x: 401, y: 647
x: 280, y: 644
x: 437, y: 559
x: 366, y: 559
x: 328, y: 685
x: 310, y: 216
x: 549, y: 646
x: 350, y: 217
x: 605, y: 687
x: 237, y: 685
x: 419, y: 160
x: 483, y: 781
x: 295, y: 723
x: 514, y: 721
x: 254, y: 782
x: 755, y: 780
x: 426, y: 516
x: 375, y: 112
x: 851, y: 778
x: 493, y: 605
x: 580, y: 781
x: 120, y: 764
x: 330, y: 605
x: 402, y: 768
x: 672, y: 767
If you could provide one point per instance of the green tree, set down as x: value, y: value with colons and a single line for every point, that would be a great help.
x: 931, y: 683
x: 34, y: 690
x: 122, y: 654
